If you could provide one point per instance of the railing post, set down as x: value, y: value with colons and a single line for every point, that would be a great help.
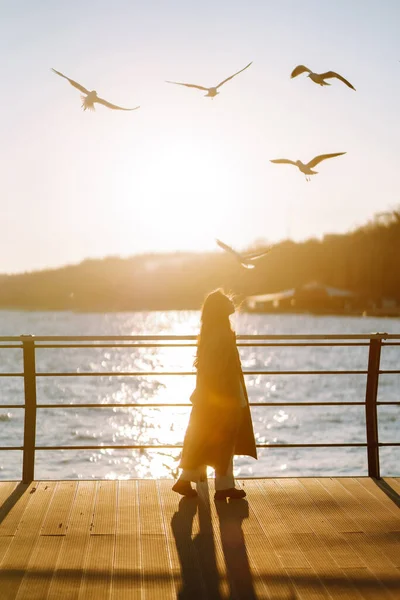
x: 371, y: 412
x: 28, y: 465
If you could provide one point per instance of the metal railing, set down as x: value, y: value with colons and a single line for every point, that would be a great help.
x: 29, y: 344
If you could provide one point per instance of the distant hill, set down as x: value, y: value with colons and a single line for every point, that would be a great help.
x: 366, y: 261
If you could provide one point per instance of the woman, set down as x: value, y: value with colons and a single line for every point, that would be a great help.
x: 220, y: 423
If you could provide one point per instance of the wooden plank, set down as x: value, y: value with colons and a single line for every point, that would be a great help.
x: 390, y: 582
x: 387, y: 540
x: 319, y: 544
x: 275, y: 570
x: 370, y: 552
x: 283, y: 506
x: 16, y: 559
x: 6, y: 489
x: 182, y: 526
x: 41, y: 566
x: 96, y: 581
x: 278, y: 520
x: 105, y: 510
x: 157, y: 575
x: 281, y: 542
x: 56, y: 520
x: 5, y: 542
x: 208, y: 543
x: 331, y: 509
x: 389, y: 544
x: 379, y: 511
x: 127, y: 570
x: 328, y: 576
x: 68, y: 575
x: 353, y: 507
x: 13, y: 508
x: 375, y: 491
x: 307, y: 585
x: 378, y: 571
x: 262, y: 577
x: 367, y: 585
x: 36, y: 508
x: 394, y: 483
x: 332, y: 544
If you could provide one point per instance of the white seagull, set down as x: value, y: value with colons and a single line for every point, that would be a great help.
x: 91, y: 96
x: 211, y: 91
x: 319, y: 78
x: 246, y: 259
x: 307, y: 167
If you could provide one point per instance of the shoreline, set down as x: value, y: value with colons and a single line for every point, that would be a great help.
x: 322, y: 313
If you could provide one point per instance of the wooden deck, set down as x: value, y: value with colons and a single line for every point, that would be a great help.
x: 290, y: 538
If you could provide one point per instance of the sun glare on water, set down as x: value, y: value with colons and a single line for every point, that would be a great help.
x: 154, y: 425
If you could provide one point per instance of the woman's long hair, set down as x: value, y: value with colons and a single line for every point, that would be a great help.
x: 216, y: 333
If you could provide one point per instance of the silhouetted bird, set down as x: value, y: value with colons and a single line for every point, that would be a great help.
x: 211, y: 91
x: 91, y: 96
x: 307, y: 168
x: 246, y: 259
x: 319, y: 78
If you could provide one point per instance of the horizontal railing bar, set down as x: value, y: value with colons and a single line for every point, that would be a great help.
x: 147, y: 338
x: 18, y: 346
x: 137, y: 345
x: 389, y: 444
x: 115, y: 374
x: 186, y: 404
x: 178, y: 447
x: 397, y: 372
x: 390, y: 403
x: 193, y: 345
x: 11, y: 374
x: 161, y: 373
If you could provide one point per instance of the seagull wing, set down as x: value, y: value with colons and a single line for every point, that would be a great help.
x: 229, y: 249
x: 283, y: 161
x: 191, y: 85
x: 298, y: 70
x: 258, y: 254
x: 330, y: 74
x: 234, y: 75
x: 114, y: 106
x: 76, y: 85
x: 243, y: 259
x: 315, y: 161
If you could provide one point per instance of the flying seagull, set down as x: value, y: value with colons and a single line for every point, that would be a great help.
x: 319, y: 77
x: 91, y: 97
x: 246, y: 259
x: 306, y: 168
x: 211, y: 91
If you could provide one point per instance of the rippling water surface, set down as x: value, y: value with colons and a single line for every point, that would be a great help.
x: 141, y: 426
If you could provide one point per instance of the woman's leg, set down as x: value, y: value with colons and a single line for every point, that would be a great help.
x: 226, y: 480
x: 225, y: 485
x: 183, y: 485
x: 191, y: 474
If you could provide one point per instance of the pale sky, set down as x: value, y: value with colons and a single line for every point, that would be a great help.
x: 185, y: 169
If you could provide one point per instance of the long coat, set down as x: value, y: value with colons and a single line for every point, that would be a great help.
x: 219, y: 426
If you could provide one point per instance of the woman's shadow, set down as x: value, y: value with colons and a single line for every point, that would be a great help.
x: 200, y: 576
